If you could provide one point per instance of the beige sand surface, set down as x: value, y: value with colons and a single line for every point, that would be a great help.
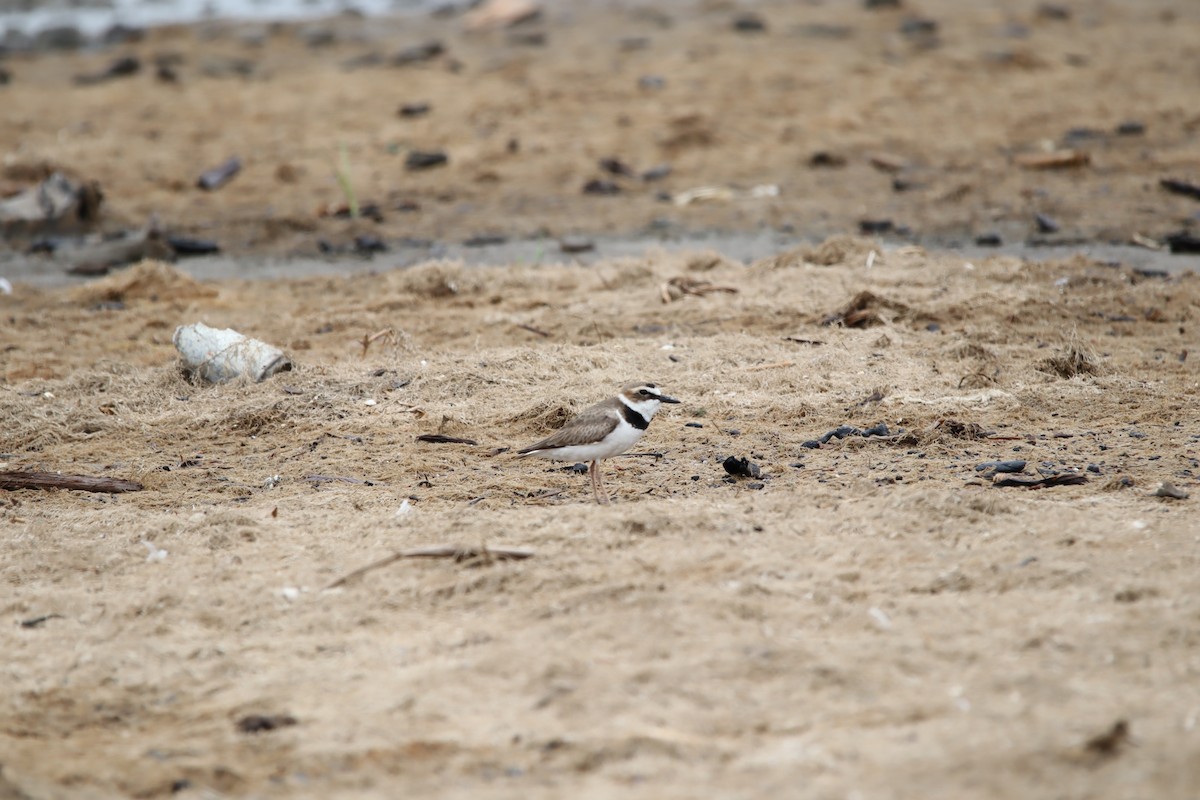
x: 876, y: 621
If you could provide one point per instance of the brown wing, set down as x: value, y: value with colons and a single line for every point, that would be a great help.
x: 590, y: 425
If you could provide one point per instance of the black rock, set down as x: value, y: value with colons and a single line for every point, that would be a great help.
x: 578, y: 469
x: 367, y: 243
x: 418, y: 53
x: 616, y: 166
x: 1131, y: 128
x: 693, y: 425
x: 811, y: 444
x: 749, y: 22
x: 1046, y: 224
x: 988, y: 240
x: 213, y: 179
x: 993, y: 467
x: 485, y: 240
x: 875, y: 5
x: 601, y: 187
x: 1185, y: 188
x: 1183, y: 242
x: 868, y: 227
x: 741, y: 467
x: 825, y: 159
x: 184, y: 246
x: 410, y: 110
x: 425, y: 159
x: 657, y: 173
x: 576, y: 244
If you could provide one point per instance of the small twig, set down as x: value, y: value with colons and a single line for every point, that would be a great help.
x: 531, y: 329
x: 459, y: 554
x: 53, y: 480
x: 439, y: 438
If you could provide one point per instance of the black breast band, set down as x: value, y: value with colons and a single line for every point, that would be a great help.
x: 634, y: 418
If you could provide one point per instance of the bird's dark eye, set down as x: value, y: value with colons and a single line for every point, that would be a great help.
x: 646, y: 393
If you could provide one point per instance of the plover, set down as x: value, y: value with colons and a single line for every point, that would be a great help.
x: 602, y: 431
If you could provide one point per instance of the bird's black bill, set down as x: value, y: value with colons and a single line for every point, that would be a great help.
x: 664, y: 399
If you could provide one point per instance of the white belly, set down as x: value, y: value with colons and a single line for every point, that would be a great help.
x: 621, y: 439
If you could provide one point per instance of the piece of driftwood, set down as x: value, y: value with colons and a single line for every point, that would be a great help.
x: 53, y: 480
x: 459, y: 554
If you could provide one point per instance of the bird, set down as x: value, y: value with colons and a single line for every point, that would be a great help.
x: 602, y: 431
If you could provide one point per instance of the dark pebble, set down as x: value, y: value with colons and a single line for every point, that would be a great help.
x: 258, y: 723
x: 657, y: 173
x: 1045, y: 224
x: 841, y: 432
x: 418, y: 53
x: 1136, y: 435
x: 576, y: 244
x: 992, y: 467
x: 598, y: 186
x: 918, y: 26
x: 693, y: 425
x: 1056, y: 11
x: 1093, y: 468
x: 180, y: 784
x: 734, y: 432
x: 875, y: 226
x: 485, y: 240
x: 579, y: 468
x: 933, y: 327
x: 876, y: 5
x: 741, y: 467
x: 826, y: 160
x: 695, y: 477
x: 1077, y: 135
x: 755, y: 485
x: 901, y: 185
x: 811, y: 444
x: 121, y: 68
x: 616, y: 166
x: 1131, y: 128
x: 749, y: 23
x: 425, y: 159
x: 410, y: 110
x: 1185, y: 188
x: 213, y: 179
x: 988, y: 240
x: 185, y: 246
x: 877, y: 430
x: 368, y: 243
x: 1183, y: 242
x: 797, y: 465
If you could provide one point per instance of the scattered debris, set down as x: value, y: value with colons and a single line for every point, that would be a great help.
x: 1168, y: 489
x: 418, y: 53
x: 600, y: 186
x: 862, y: 311
x: 218, y: 355
x: 1045, y: 223
x: 500, y: 14
x: 1057, y: 159
x: 992, y: 468
x: 576, y: 244
x: 749, y: 22
x: 37, y: 622
x: 97, y: 255
x: 1043, y: 482
x: 1110, y: 743
x: 261, y: 723
x: 474, y: 555
x: 1075, y: 359
x: 741, y: 467
x: 425, y: 159
x: 53, y: 204
x: 842, y: 431
x: 121, y: 68
x: 54, y: 480
x: 212, y: 179
x: 412, y: 110
x: 438, y: 438
x: 1185, y: 188
x: 1183, y: 242
x: 682, y: 285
